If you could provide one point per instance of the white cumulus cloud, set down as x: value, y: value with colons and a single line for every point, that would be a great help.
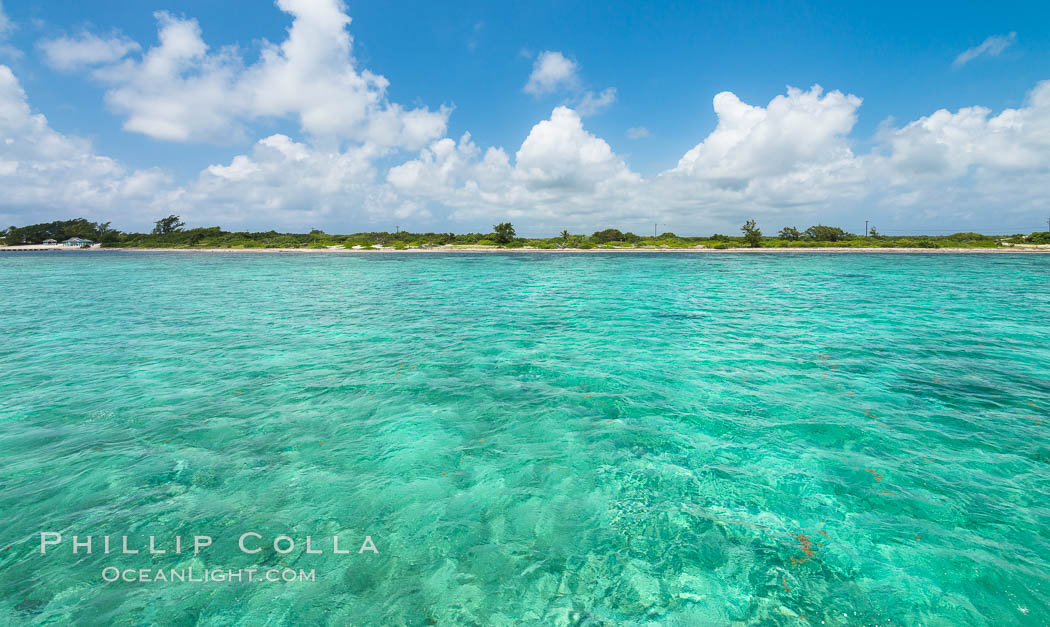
x: 967, y: 162
x: 592, y: 103
x: 287, y: 184
x: 70, y: 53
x: 46, y: 175
x: 552, y: 71
x: 794, y: 132
x: 561, y: 174
x: 183, y: 90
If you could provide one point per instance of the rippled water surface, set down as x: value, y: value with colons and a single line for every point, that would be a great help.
x: 575, y: 439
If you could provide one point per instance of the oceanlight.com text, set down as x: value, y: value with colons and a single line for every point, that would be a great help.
x: 112, y: 574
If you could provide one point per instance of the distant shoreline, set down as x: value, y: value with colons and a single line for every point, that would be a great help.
x: 417, y: 251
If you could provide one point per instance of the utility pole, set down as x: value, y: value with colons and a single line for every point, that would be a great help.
x: 865, y: 228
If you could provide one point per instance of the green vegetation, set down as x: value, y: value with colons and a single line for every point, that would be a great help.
x: 504, y: 232
x: 170, y: 232
x: 606, y: 236
x: 1040, y: 237
x: 61, y: 230
x: 752, y: 234
x: 170, y: 224
x: 821, y: 233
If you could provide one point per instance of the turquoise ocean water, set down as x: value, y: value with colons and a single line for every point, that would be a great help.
x: 573, y: 439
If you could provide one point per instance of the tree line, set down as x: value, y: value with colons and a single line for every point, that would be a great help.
x: 171, y: 232
x: 60, y: 230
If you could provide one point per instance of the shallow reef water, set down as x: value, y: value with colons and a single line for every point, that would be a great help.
x: 564, y: 439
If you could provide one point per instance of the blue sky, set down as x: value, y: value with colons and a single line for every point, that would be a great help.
x: 882, y: 156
